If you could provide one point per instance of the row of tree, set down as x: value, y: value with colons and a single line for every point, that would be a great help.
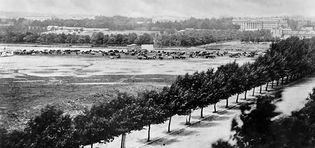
x: 125, y: 23
x: 186, y: 38
x: 259, y: 129
x: 258, y: 36
x: 284, y: 61
x: 96, y: 39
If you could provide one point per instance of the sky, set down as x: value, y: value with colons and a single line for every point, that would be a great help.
x: 175, y: 8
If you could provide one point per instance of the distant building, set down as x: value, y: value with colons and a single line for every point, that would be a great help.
x: 277, y: 33
x: 307, y: 28
x: 36, y: 29
x: 132, y: 47
x: 252, y: 24
x: 303, y: 34
x: 90, y: 31
x: 167, y: 19
x: 148, y: 47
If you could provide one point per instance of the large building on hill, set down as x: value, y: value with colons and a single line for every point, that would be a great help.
x: 252, y: 24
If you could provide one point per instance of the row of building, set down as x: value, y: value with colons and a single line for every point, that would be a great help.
x: 251, y: 24
x: 278, y: 26
x: 90, y: 31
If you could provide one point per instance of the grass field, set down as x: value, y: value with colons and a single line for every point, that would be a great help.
x: 21, y: 100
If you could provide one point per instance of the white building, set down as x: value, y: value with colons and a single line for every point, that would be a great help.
x: 148, y: 47
x: 252, y: 24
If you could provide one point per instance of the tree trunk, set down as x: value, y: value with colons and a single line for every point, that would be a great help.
x: 91, y: 145
x: 237, y: 98
x: 188, y: 121
x: 169, y: 125
x: 123, y: 141
x: 260, y: 88
x: 278, y: 82
x: 254, y: 91
x: 282, y: 80
x: 272, y: 84
x: 227, y: 103
x: 149, y: 130
x: 201, y: 112
x: 245, y: 95
x: 214, y: 107
x: 267, y: 86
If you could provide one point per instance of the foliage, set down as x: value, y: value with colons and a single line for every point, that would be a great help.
x: 292, y: 58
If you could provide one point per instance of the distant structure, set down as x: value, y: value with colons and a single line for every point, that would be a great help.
x: 278, y: 26
x: 252, y: 24
x: 167, y: 19
x: 306, y: 33
x: 6, y: 22
x: 302, y: 34
x: 90, y: 31
x: 37, y: 29
x: 148, y: 47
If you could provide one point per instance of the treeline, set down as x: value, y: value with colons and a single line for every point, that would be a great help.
x: 285, y: 61
x: 196, y: 37
x: 260, y: 130
x: 127, y: 23
x: 186, y: 38
x: 95, y: 39
x: 211, y: 24
x: 112, y: 23
x: 201, y: 37
x: 258, y: 36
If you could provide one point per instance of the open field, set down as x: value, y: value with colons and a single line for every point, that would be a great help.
x: 21, y: 99
x: 220, y: 45
x: 28, y: 83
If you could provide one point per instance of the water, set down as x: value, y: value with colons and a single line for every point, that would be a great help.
x: 49, y: 66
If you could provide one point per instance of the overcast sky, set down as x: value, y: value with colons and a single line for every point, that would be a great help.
x: 152, y: 8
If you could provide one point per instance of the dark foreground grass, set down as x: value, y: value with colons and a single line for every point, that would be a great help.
x: 22, y: 98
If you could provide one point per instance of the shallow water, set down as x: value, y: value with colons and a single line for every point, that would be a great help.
x: 48, y: 66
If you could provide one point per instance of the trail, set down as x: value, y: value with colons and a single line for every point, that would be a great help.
x: 204, y: 131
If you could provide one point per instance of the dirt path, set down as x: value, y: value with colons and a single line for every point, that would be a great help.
x: 204, y: 131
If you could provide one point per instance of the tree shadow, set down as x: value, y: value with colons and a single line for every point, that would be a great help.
x: 162, y: 141
x: 216, y: 118
x: 224, y: 112
x: 203, y: 124
x: 182, y: 132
